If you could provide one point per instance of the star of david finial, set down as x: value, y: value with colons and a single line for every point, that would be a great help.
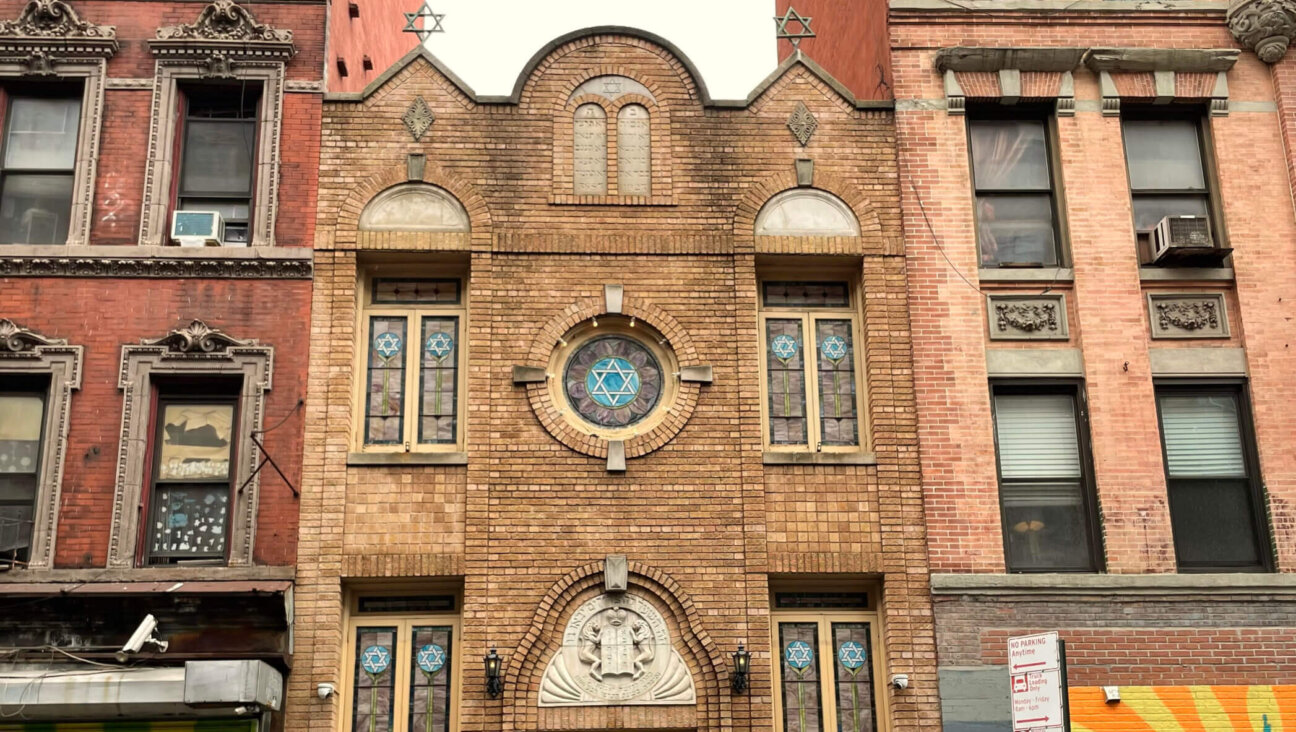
x: 423, y: 32
x: 794, y: 36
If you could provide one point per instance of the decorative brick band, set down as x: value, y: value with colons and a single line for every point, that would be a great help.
x: 134, y: 267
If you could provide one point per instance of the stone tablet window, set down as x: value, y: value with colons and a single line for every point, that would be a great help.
x: 634, y: 151
x: 590, y: 150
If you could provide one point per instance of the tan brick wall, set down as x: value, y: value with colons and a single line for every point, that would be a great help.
x: 701, y: 519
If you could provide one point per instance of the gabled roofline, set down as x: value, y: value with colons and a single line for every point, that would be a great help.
x: 797, y: 58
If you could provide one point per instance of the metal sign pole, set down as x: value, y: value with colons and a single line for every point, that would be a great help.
x: 1066, y: 689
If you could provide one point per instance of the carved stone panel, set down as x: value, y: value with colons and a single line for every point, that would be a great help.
x: 1027, y: 317
x: 616, y: 650
x: 589, y: 147
x: 1180, y: 315
x: 612, y: 87
x: 634, y: 148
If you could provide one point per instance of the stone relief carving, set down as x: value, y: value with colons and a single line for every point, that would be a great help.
x: 16, y: 339
x: 634, y: 151
x: 197, y: 337
x: 616, y: 650
x: 1027, y: 317
x: 589, y: 151
x: 225, y: 20
x: 1188, y: 316
x: 1265, y: 26
x: 418, y: 118
x: 53, y: 19
x: 611, y: 87
x: 802, y: 123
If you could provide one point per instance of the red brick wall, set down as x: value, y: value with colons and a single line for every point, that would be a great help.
x: 377, y: 32
x: 850, y: 42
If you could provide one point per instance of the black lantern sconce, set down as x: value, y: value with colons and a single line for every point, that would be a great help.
x: 494, y: 682
x: 741, y: 669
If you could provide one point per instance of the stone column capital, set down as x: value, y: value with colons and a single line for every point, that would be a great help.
x: 1264, y: 26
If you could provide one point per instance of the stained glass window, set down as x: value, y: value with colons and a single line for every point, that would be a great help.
x: 806, y: 294
x: 385, y: 403
x: 613, y: 381
x: 785, y: 365
x: 21, y: 418
x: 439, y: 379
x: 836, y: 367
x: 852, y: 667
x: 799, y: 664
x: 374, y: 681
x: 415, y: 291
x: 430, y: 668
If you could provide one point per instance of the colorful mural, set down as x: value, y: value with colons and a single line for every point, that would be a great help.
x: 1185, y: 709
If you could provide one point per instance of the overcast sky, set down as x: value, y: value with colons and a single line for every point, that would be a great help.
x: 487, y: 42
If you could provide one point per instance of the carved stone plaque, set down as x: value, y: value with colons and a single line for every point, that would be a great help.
x: 589, y: 151
x: 1027, y: 317
x: 616, y: 650
x: 1179, y: 315
x: 634, y: 148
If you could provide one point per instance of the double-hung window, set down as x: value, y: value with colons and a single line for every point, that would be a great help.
x: 1167, y: 176
x: 1045, y: 484
x: 22, y: 419
x: 811, y: 369
x: 413, y: 339
x: 38, y: 165
x: 1015, y: 207
x: 1214, y: 490
x: 219, y: 147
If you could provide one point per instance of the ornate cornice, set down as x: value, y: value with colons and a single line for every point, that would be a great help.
x: 1264, y: 26
x: 135, y: 267
x: 225, y: 32
x: 197, y: 338
x: 15, y: 339
x: 51, y: 30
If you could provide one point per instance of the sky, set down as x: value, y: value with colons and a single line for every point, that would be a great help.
x: 487, y: 42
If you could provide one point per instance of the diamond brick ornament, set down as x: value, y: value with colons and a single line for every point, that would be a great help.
x: 802, y: 123
x: 418, y: 118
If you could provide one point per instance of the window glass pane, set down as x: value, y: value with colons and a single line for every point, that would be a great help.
x: 17, y: 507
x: 1202, y: 435
x: 1163, y: 155
x: 806, y: 294
x: 35, y: 209
x: 822, y: 600
x: 799, y: 676
x: 1009, y: 155
x: 385, y: 402
x: 21, y: 418
x: 836, y: 363
x: 439, y: 380
x: 416, y: 292
x: 633, y: 151
x: 42, y: 133
x: 785, y: 363
x: 1149, y: 210
x: 853, y: 667
x: 430, y: 666
x: 218, y: 157
x: 1046, y: 526
x: 1214, y: 523
x: 195, y: 442
x: 1016, y: 230
x: 374, y: 680
x: 589, y: 150
x: 189, y: 521
x: 1037, y: 436
x: 230, y: 210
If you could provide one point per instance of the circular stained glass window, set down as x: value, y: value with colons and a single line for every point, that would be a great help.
x: 613, y: 381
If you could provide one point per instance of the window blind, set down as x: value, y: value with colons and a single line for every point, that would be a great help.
x: 1202, y: 437
x: 1037, y: 436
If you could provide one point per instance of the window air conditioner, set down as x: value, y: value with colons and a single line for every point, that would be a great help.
x: 197, y: 228
x: 1185, y: 240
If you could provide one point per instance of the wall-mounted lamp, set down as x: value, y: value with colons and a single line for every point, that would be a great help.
x: 741, y: 670
x: 494, y: 682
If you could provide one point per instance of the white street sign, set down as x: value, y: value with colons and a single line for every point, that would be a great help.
x: 1036, y: 683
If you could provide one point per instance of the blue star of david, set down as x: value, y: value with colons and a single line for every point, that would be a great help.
x: 387, y: 345
x: 439, y: 344
x: 375, y: 660
x: 431, y: 658
x: 851, y: 655
x: 784, y: 347
x: 613, y: 382
x: 799, y: 654
x: 834, y: 348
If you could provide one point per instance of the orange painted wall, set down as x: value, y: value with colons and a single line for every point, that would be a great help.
x: 1199, y: 708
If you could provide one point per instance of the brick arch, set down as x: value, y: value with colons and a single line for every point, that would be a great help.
x: 547, y: 411
x: 705, y: 661
x: 760, y: 192
x: 563, y: 99
x: 348, y: 218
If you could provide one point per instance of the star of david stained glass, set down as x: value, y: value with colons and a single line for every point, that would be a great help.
x: 613, y: 381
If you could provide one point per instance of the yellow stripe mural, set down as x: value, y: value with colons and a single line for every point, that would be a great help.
x: 1185, y: 709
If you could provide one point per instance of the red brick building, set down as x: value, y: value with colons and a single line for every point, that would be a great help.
x: 157, y: 204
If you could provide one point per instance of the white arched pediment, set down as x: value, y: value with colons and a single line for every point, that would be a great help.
x: 414, y: 207
x: 806, y: 212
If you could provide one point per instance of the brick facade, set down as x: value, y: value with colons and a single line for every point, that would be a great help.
x: 525, y: 525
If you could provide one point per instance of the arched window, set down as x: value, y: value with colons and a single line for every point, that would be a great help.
x: 589, y: 148
x: 806, y: 212
x: 634, y: 151
x: 414, y: 207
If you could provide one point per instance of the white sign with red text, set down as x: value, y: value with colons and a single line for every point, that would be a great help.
x: 1036, y: 683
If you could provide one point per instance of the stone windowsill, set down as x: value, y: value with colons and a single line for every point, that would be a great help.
x: 1114, y: 584
x: 788, y: 457
x: 170, y: 573
x: 406, y: 458
x: 130, y: 251
x: 1185, y: 274
x: 1033, y: 274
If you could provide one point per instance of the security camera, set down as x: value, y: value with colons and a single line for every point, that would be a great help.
x: 325, y: 690
x: 143, y: 634
x: 900, y: 681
